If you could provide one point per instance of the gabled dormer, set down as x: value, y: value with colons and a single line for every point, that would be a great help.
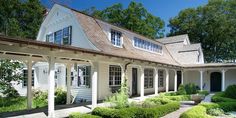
x: 62, y: 27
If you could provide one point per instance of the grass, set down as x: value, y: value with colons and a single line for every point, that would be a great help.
x: 16, y: 104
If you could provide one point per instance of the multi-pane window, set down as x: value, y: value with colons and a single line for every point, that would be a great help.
x: 116, y: 38
x: 25, y: 77
x: 114, y: 75
x: 58, y: 37
x: 161, y: 78
x: 146, y: 45
x: 148, y: 78
x: 49, y: 38
x: 61, y: 37
x: 84, y: 78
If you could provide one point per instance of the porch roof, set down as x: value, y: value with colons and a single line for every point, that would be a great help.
x: 20, y: 46
x: 210, y: 65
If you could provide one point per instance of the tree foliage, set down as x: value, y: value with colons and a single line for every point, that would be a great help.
x: 9, y: 72
x: 21, y: 18
x: 135, y: 18
x: 212, y: 25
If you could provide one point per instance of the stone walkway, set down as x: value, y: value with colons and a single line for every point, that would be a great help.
x: 185, y: 105
x: 208, y: 97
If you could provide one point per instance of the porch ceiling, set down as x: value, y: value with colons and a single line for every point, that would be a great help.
x: 210, y: 66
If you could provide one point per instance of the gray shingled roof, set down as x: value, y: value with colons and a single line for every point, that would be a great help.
x: 173, y: 39
x: 191, y: 47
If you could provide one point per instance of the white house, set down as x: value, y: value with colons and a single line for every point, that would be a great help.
x: 96, y: 57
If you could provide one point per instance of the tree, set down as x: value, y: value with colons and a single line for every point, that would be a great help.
x: 20, y: 18
x: 135, y: 18
x: 212, y: 25
x: 9, y: 71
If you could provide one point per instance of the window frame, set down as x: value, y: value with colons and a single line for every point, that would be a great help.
x: 86, y: 76
x: 115, y: 42
x: 62, y: 36
x: 148, y: 78
x: 160, y: 78
x: 148, y: 46
x: 115, y: 80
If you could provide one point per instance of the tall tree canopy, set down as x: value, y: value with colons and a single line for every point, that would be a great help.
x: 21, y: 18
x: 135, y: 18
x: 213, y: 25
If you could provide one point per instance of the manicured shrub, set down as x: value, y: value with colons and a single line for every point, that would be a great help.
x: 179, y: 97
x: 136, y: 112
x: 149, y: 104
x: 181, y: 90
x: 208, y: 105
x: 230, y: 91
x: 191, y: 88
x: 170, y: 94
x: 79, y: 115
x: 203, y: 92
x: 196, y: 112
x: 227, y: 106
x: 215, y: 112
x: 39, y: 98
x: 220, y: 97
x: 160, y: 100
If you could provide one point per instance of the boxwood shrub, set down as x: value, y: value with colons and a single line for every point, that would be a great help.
x: 230, y: 91
x: 196, y: 112
x: 136, y: 112
x: 79, y: 115
x: 220, y: 97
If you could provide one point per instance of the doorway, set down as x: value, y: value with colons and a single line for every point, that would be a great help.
x: 134, y: 81
x: 179, y: 76
x: 215, y: 82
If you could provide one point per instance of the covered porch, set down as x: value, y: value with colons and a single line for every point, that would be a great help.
x: 31, y: 52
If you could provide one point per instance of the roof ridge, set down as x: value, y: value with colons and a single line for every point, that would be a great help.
x: 109, y: 23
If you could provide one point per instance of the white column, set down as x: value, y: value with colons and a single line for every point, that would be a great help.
x: 51, y: 83
x: 156, y: 81
x: 201, y: 79
x: 122, y: 73
x: 182, y: 77
x: 94, y: 72
x: 142, y: 82
x: 223, y: 80
x: 167, y: 80
x: 29, y: 85
x: 175, y: 81
x: 68, y: 83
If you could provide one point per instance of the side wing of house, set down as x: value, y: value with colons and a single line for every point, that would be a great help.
x: 183, y: 51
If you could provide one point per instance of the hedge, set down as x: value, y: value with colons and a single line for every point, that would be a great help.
x: 136, y: 112
x: 219, y: 97
x: 79, y: 115
x: 196, y: 112
x: 179, y: 97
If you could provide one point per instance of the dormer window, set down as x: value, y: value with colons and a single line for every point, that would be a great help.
x: 116, y: 38
x: 61, y: 37
x: 146, y: 45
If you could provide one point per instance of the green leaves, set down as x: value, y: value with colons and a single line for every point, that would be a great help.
x: 213, y: 25
x: 20, y: 18
x: 135, y: 18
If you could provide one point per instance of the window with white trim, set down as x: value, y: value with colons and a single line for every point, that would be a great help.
x: 84, y: 77
x: 114, y: 75
x: 161, y: 78
x: 146, y: 45
x: 25, y: 77
x: 116, y: 38
x: 61, y: 37
x: 148, y: 78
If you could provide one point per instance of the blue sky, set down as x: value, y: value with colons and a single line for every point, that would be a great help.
x: 165, y: 9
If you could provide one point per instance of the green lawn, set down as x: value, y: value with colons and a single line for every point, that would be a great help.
x: 20, y: 103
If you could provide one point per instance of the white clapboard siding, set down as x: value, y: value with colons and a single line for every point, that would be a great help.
x: 82, y: 93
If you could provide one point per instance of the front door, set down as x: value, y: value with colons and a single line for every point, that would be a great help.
x: 215, y: 81
x: 134, y: 81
